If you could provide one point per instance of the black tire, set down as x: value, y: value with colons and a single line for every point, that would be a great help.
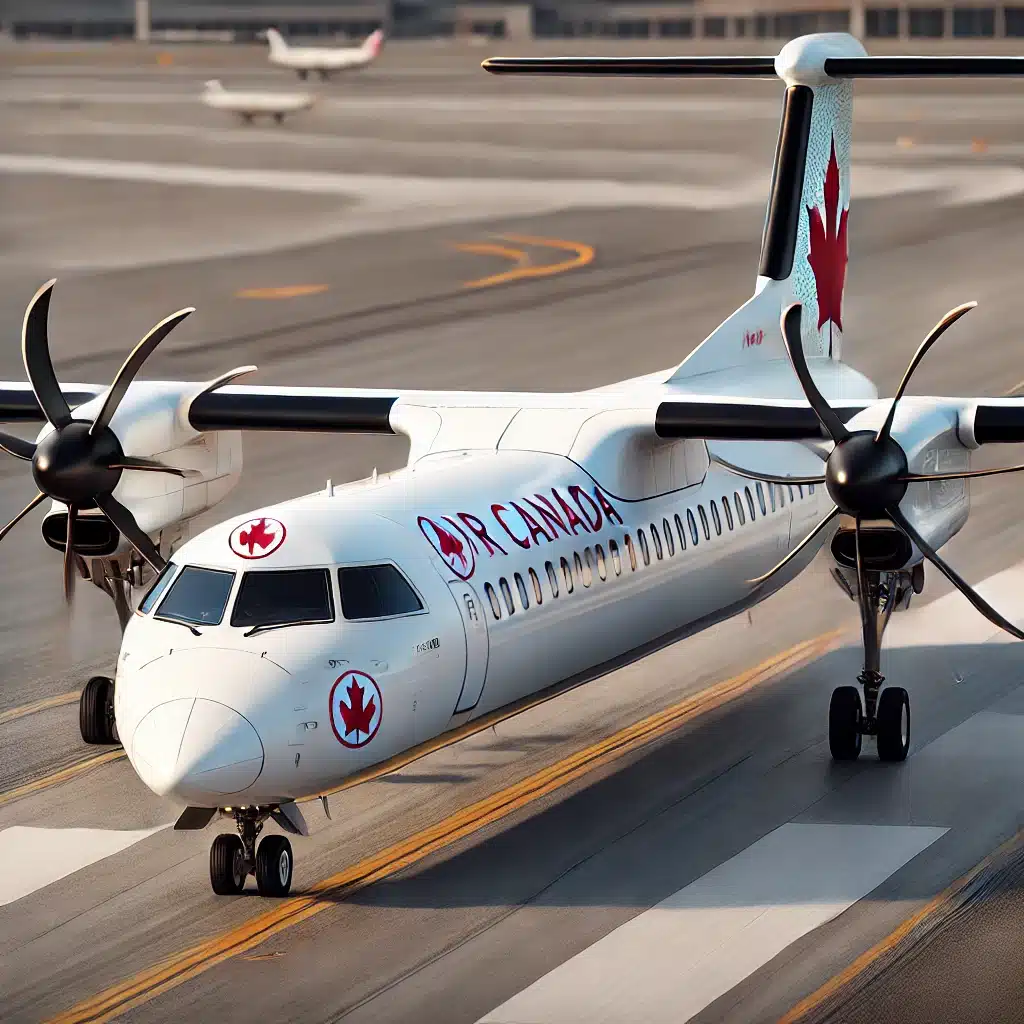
x: 303, y: 75
x: 96, y: 711
x: 274, y: 866
x: 893, y: 724
x: 227, y: 865
x: 845, y: 721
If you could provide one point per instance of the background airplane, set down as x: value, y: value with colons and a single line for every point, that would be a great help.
x: 324, y: 60
x: 249, y: 104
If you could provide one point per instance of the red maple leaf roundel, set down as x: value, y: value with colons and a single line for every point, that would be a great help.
x: 827, y: 254
x: 355, y: 708
x: 257, y: 534
x: 356, y: 715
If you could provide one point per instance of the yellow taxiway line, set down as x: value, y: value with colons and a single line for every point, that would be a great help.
x: 583, y: 254
x: 188, y: 964
x: 288, y: 291
x: 40, y: 705
x: 939, y: 903
x: 64, y: 775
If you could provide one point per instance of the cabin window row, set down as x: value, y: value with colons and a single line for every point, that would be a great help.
x: 594, y: 560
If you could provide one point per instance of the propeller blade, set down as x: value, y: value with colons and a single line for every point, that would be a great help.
x: 933, y: 336
x: 123, y: 519
x: 147, y: 465
x: 37, y: 500
x: 964, y: 474
x: 766, y: 477
x: 796, y: 551
x: 131, y: 366
x: 222, y: 380
x: 69, y: 557
x: 833, y: 425
x: 35, y: 350
x: 17, y: 446
x: 897, y: 516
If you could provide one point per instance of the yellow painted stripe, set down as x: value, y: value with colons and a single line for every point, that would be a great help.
x: 40, y: 705
x: 64, y: 775
x: 190, y: 963
x: 289, y: 291
x: 835, y: 984
x: 520, y: 256
x: 583, y: 254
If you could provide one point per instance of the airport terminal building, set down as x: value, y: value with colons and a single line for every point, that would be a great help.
x: 170, y: 20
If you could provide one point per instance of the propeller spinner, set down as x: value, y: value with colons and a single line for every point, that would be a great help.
x: 80, y: 463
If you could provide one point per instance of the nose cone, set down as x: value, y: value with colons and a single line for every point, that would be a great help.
x: 196, y: 749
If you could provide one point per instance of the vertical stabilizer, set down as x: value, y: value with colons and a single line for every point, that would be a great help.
x: 372, y: 43
x: 804, y: 244
x: 278, y: 44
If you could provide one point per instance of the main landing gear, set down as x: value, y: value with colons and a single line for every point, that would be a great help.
x: 234, y: 857
x: 884, y: 714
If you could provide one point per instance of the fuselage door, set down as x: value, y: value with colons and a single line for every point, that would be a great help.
x: 475, y: 622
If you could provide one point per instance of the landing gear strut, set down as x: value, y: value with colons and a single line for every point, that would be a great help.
x: 884, y: 714
x: 234, y: 857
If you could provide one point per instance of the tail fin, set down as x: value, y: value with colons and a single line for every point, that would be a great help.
x: 372, y: 43
x: 278, y: 44
x: 214, y: 85
x: 804, y: 245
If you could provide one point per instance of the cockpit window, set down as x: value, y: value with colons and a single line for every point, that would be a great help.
x: 197, y: 597
x: 376, y: 592
x: 284, y: 597
x: 156, y: 591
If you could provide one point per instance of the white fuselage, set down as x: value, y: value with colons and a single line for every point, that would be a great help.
x: 224, y: 719
x: 324, y: 59
x: 250, y: 103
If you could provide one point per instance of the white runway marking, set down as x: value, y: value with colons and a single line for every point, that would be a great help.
x: 673, y: 960
x: 35, y: 857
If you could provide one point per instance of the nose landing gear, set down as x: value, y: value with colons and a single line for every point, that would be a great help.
x: 884, y: 714
x: 234, y: 857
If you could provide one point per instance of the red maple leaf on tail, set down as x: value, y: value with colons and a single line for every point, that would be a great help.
x: 356, y: 715
x: 256, y: 535
x: 827, y: 255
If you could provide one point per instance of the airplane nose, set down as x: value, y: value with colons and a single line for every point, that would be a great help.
x: 193, y: 748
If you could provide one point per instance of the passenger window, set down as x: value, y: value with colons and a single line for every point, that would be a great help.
x: 760, y: 498
x: 524, y: 598
x: 800, y: 491
x: 657, y: 542
x: 506, y: 592
x: 644, y: 549
x: 738, y: 502
x: 681, y: 533
x: 283, y: 598
x: 552, y: 578
x: 704, y: 522
x: 792, y: 496
x: 586, y: 571
x: 669, y: 539
x: 613, y: 550
x: 771, y: 495
x: 375, y: 592
x: 782, y: 496
x: 160, y: 584
x: 493, y: 598
x: 197, y: 597
x: 750, y: 503
x: 632, y: 553
x: 692, y: 523
x: 602, y: 565
x: 567, y: 576
x: 727, y: 510
x: 537, y: 592
x: 716, y: 519
x: 810, y: 488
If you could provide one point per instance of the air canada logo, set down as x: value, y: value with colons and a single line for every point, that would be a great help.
x: 356, y: 709
x: 450, y: 543
x: 257, y: 538
x: 827, y: 253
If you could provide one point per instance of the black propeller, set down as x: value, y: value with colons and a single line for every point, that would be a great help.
x: 80, y: 463
x: 867, y: 474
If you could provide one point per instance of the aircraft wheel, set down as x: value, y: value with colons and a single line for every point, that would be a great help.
x: 893, y: 724
x: 227, y: 865
x: 845, y: 722
x: 303, y: 75
x: 279, y: 118
x: 274, y: 866
x: 96, y: 711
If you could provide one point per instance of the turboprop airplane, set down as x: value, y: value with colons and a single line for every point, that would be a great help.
x: 248, y: 105
x: 323, y: 59
x: 531, y: 539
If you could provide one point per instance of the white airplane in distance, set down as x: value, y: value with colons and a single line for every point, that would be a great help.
x: 249, y: 105
x: 325, y: 60
x: 532, y: 538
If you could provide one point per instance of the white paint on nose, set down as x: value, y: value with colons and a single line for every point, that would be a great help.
x: 194, y: 748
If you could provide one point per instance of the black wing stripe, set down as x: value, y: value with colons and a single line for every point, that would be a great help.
x: 358, y: 414
x: 710, y: 67
x: 20, y: 406
x: 737, y: 422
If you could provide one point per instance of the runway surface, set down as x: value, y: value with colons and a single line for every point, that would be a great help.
x: 668, y: 842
